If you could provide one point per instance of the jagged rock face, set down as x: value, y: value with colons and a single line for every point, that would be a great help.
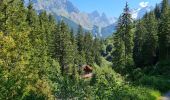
x: 54, y: 4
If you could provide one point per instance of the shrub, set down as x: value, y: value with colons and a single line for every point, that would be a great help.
x: 155, y: 82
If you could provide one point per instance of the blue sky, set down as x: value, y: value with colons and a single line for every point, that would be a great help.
x: 110, y: 7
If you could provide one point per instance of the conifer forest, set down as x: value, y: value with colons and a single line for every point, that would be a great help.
x: 45, y: 59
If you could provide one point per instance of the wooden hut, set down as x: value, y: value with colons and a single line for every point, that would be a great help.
x: 87, y: 71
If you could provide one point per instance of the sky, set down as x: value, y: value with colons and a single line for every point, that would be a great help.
x: 112, y: 8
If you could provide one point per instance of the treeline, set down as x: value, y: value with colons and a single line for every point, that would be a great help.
x: 142, y: 43
x: 35, y: 51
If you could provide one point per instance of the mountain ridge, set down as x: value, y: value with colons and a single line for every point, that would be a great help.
x: 95, y: 22
x: 64, y: 9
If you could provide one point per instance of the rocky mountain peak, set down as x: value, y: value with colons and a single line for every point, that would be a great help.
x: 104, y: 17
x: 53, y: 4
x: 95, y: 13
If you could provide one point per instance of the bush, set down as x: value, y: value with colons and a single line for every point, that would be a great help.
x: 156, y: 82
x: 105, y: 84
x: 163, y: 68
x: 110, y: 85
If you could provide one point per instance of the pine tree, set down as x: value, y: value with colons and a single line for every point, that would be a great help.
x: 164, y: 32
x: 88, y: 44
x: 74, y: 70
x: 15, y: 16
x: 43, y: 44
x: 74, y: 44
x: 64, y: 48
x: 96, y: 50
x: 79, y: 38
x: 127, y: 35
x: 157, y: 11
x: 42, y: 66
x: 34, y: 36
x: 51, y: 36
x: 138, y: 44
x: 38, y: 42
x: 123, y: 41
x: 118, y: 53
x: 80, y: 46
x: 150, y: 44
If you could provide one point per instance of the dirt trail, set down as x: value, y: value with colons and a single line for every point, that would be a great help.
x: 166, y: 96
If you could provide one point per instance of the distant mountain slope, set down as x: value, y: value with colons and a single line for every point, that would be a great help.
x: 140, y: 12
x: 65, y: 10
x: 101, y: 20
x: 108, y: 30
x: 98, y: 24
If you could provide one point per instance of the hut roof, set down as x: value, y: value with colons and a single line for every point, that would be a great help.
x: 87, y: 68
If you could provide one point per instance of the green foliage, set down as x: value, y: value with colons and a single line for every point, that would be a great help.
x: 162, y: 68
x: 64, y: 47
x: 88, y: 47
x: 118, y: 54
x: 138, y: 44
x: 105, y: 84
x: 156, y: 82
x: 157, y: 11
x: 164, y: 32
x: 145, y: 51
x: 23, y: 54
x: 123, y: 42
x: 110, y: 85
x: 41, y: 60
x: 96, y: 51
x: 80, y: 46
x: 150, y: 40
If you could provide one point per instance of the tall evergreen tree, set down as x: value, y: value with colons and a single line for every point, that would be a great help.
x: 52, y: 27
x: 43, y: 44
x: 138, y: 44
x: 74, y: 69
x: 88, y: 44
x: 42, y: 66
x: 127, y: 35
x: 34, y: 36
x: 157, y: 11
x: 80, y: 38
x: 64, y: 47
x: 124, y: 40
x: 96, y: 50
x: 150, y: 44
x: 118, y: 53
x: 164, y: 32
x: 80, y: 46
